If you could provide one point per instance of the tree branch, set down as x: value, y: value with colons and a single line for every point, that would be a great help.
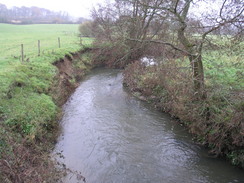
x: 161, y: 42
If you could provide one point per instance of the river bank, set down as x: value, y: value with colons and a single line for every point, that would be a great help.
x: 216, y: 122
x: 30, y: 129
x: 165, y: 80
x: 30, y: 109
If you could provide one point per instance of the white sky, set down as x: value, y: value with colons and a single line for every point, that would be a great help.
x: 82, y: 8
x: 76, y: 8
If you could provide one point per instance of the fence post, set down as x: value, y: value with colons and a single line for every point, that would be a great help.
x: 22, y: 52
x: 39, y: 48
x: 59, y: 45
x: 80, y: 41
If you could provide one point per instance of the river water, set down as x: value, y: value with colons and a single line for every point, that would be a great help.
x: 108, y: 136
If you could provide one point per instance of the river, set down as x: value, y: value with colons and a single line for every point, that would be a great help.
x: 108, y: 136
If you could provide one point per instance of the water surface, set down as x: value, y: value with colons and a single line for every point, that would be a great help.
x: 111, y: 137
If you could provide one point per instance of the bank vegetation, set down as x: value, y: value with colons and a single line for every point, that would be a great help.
x: 196, y: 69
x: 31, y: 95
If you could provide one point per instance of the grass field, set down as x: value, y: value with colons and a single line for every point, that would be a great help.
x: 28, y: 111
x: 34, y: 75
x: 224, y: 64
x: 12, y: 36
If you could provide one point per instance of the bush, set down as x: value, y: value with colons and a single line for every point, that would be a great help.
x: 86, y: 29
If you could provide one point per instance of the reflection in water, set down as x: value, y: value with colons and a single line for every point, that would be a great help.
x: 110, y: 137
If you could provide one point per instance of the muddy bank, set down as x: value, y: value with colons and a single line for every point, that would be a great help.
x: 71, y: 70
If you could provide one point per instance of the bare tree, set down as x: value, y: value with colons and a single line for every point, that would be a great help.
x: 143, y: 21
x: 127, y: 21
x: 229, y: 13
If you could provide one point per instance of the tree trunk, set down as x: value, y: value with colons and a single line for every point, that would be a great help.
x: 198, y: 76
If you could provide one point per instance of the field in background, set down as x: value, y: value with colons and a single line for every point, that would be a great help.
x: 224, y: 64
x: 12, y: 36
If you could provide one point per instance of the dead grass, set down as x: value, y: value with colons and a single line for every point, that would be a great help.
x: 26, y: 162
x: 217, y: 121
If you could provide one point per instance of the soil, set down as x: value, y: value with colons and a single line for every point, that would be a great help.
x: 63, y: 88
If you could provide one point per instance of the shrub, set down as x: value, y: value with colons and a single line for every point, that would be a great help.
x: 86, y: 29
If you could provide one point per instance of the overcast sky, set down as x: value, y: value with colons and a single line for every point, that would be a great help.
x: 77, y: 8
x: 82, y: 8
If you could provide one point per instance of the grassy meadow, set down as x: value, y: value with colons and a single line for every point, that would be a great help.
x: 12, y: 36
x: 24, y: 92
x: 224, y: 64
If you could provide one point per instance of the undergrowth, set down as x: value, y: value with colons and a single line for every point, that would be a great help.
x: 218, y: 120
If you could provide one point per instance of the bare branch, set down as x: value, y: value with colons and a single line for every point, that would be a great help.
x: 221, y: 9
x: 176, y: 5
x: 161, y: 42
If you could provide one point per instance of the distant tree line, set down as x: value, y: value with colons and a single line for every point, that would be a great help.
x: 29, y: 15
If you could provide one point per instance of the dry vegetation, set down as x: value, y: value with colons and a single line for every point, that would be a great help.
x: 216, y: 121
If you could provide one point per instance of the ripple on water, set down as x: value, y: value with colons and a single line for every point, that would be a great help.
x: 110, y: 137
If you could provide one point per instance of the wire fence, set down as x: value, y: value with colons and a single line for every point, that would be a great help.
x: 22, y: 50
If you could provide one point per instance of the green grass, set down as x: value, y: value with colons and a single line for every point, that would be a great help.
x: 12, y: 36
x: 28, y: 97
x: 223, y: 70
x: 25, y: 102
x: 223, y: 65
